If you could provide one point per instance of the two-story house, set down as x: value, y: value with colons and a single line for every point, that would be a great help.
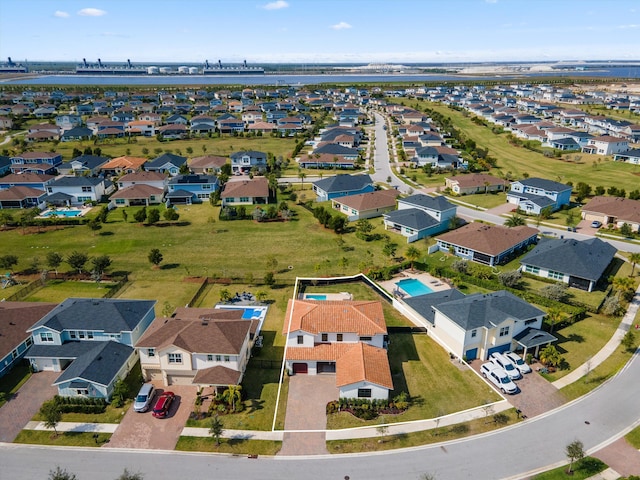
x: 243, y: 162
x: 188, y: 189
x: 83, y: 165
x: 198, y: 346
x: 80, y: 190
x: 35, y: 162
x: 89, y: 340
x: 418, y: 216
x: 532, y: 195
x: 606, y: 145
x: 166, y: 163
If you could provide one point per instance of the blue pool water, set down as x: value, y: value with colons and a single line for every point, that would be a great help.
x: 62, y: 213
x: 249, y: 313
x: 312, y: 296
x: 413, y: 287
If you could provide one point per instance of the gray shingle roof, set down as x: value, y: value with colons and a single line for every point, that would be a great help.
x: 539, y: 200
x: 548, y: 185
x: 438, y: 203
x: 335, y: 149
x: 99, y: 314
x: 98, y: 365
x: 585, y: 259
x: 69, y: 181
x: 423, y: 304
x: 343, y: 183
x: 414, y: 218
x: 165, y: 158
x: 487, y: 310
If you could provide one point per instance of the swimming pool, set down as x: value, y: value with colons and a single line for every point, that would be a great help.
x: 413, y: 287
x: 313, y: 296
x: 62, y: 213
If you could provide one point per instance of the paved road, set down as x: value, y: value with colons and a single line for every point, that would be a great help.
x: 525, y: 447
x: 381, y: 158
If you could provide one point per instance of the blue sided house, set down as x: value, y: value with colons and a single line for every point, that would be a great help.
x: 89, y: 340
x: 342, y: 185
x: 419, y: 216
x: 166, y: 163
x: 188, y: 189
x: 532, y: 195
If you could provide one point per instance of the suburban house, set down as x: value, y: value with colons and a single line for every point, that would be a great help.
x: 197, y: 346
x: 208, y: 164
x: 325, y: 161
x: 152, y: 179
x: 166, y: 163
x: 613, y: 211
x: 341, y: 186
x: 38, y: 181
x: 146, y: 128
x: 475, y: 326
x: 629, y: 156
x: 579, y: 264
x: 347, y: 338
x: 81, y: 189
x: 366, y: 205
x: 334, y: 149
x: 5, y: 165
x: 15, y: 319
x: 606, y: 145
x: 254, y: 191
x: 89, y: 340
x: 475, y: 183
x: 135, y: 195
x: 22, y: 197
x: 83, y: 165
x: 419, y: 216
x: 173, y: 131
x: 76, y: 133
x: 188, y: 189
x: 35, y: 162
x: 242, y: 162
x: 487, y: 244
x: 125, y: 164
x: 532, y: 195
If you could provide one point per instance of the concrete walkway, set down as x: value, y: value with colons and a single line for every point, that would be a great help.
x: 608, y: 349
x: 75, y: 427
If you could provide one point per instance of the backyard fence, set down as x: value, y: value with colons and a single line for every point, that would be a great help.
x: 116, y: 288
x: 24, y: 292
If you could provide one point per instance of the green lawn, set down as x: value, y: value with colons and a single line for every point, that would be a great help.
x: 227, y: 445
x: 587, y: 467
x: 13, y: 380
x: 633, y: 437
x: 63, y: 439
x: 437, y: 385
x: 489, y: 200
x: 58, y: 290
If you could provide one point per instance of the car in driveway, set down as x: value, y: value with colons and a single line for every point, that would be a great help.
x: 144, y: 398
x: 518, y: 361
x: 596, y: 224
x: 506, y: 364
x: 498, y: 377
x: 161, y: 408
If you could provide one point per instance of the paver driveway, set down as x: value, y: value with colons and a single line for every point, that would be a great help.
x: 307, y: 410
x: 142, y: 430
x: 26, y: 402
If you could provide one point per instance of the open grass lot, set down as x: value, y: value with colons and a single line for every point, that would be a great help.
x: 437, y: 385
x: 63, y: 439
x: 490, y: 200
x: 58, y: 290
x: 13, y: 380
x: 587, y: 467
x: 227, y: 445
x: 425, y: 437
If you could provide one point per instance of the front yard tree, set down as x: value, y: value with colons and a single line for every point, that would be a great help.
x: 77, y: 260
x: 51, y: 414
x: 624, y: 287
x: 216, y: 429
x: 574, y: 451
x: 515, y: 220
x: 8, y: 261
x: 550, y: 356
x: 54, y: 259
x: 634, y: 258
x: 626, y: 230
x: 155, y: 257
x: 231, y: 395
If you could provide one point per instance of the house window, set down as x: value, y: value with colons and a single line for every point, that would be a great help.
x: 532, y: 269
x: 300, y: 340
x: 14, y: 354
x: 86, y: 189
x: 218, y: 358
x: 325, y: 337
x: 504, y: 331
x: 463, y: 251
x: 364, y: 393
x: 209, y: 358
x: 81, y: 335
x: 556, y: 275
x: 206, y: 187
x: 474, y: 333
x: 29, y: 341
x: 90, y: 335
x: 82, y: 391
x: 151, y: 352
x: 119, y: 201
x: 175, y: 357
x: 339, y: 337
x: 46, y: 337
x: 244, y: 199
x: 365, y: 339
x: 72, y: 335
x: 227, y: 358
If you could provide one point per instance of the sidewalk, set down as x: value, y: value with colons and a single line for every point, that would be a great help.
x: 75, y: 427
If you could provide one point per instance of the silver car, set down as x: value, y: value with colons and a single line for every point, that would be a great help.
x: 144, y: 398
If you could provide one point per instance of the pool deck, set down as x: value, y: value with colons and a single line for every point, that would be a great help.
x: 83, y: 209
x: 329, y: 296
x: 429, y: 280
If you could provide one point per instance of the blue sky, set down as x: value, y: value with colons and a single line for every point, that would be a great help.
x: 318, y: 31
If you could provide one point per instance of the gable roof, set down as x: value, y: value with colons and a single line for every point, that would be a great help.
x: 88, y: 161
x: 370, y: 200
x: 624, y: 209
x: 19, y: 192
x: 476, y: 180
x: 165, y: 158
x: 250, y: 153
x: 101, y: 314
x: 74, y: 181
x: 544, y: 184
x: 140, y: 190
x: 423, y: 304
x: 364, y: 363
x: 142, y: 176
x: 489, y: 239
x: 343, y: 183
x: 17, y: 178
x: 585, y: 259
x: 99, y: 365
x: 438, y: 203
x: 15, y: 319
x: 414, y: 218
x: 207, y: 161
x: 361, y: 317
x: 124, y: 162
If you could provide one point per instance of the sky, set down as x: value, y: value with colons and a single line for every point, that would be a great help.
x: 320, y: 31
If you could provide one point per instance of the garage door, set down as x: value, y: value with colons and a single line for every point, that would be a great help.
x: 300, y: 368
x: 47, y: 365
x: 500, y: 349
x: 471, y: 354
x: 179, y: 380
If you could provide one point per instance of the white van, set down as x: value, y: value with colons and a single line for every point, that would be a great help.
x: 506, y: 364
x: 144, y: 398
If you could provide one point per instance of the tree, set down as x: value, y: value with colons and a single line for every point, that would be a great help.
x: 77, y: 260
x: 338, y: 223
x: 94, y: 224
x: 343, y: 263
x: 184, y: 169
x: 52, y: 415
x: 582, y: 191
x: 5, y: 218
x: 599, y: 191
x: 127, y: 475
x: 269, y: 278
x: 510, y: 279
x: 231, y: 395
x: 389, y: 249
x: 225, y: 295
x: 634, y: 258
x: 8, y: 261
x: 155, y: 257
x: 629, y: 341
x: 626, y: 230
x: 103, y: 214
x: 555, y: 291
x: 125, y: 216
x: 554, y: 316
x: 301, y: 176
x: 550, y: 356
x: 54, y: 259
x: 61, y: 474
x: 154, y: 216
x: 170, y: 214
x: 515, y: 220
x: 413, y: 254
x: 272, y: 262
x: 120, y: 392
x: 624, y: 287
x: 574, y: 451
x: 216, y: 429
x: 141, y: 215
x: 100, y: 264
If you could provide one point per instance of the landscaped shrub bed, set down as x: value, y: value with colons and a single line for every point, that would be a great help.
x: 79, y: 404
x: 369, y: 409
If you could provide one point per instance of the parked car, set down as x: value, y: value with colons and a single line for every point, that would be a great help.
x: 144, y: 398
x: 519, y: 362
x: 161, y: 408
x: 498, y: 377
x: 596, y: 224
x: 506, y: 364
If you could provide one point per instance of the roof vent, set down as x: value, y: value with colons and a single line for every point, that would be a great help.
x: 11, y: 323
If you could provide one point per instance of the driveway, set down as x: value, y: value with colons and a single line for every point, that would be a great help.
x: 25, y: 403
x: 307, y: 410
x: 142, y: 430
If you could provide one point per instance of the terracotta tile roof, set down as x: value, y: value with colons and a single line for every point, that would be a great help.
x: 488, y: 239
x: 370, y: 200
x: 352, y: 316
x: 15, y: 319
x: 124, y: 162
x: 623, y: 208
x: 364, y: 363
x: 255, y: 187
x: 199, y: 330
x: 324, y: 352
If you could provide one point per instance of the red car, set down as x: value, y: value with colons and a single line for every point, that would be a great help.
x: 161, y: 408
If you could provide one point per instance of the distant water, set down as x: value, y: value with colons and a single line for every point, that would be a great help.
x: 614, y: 72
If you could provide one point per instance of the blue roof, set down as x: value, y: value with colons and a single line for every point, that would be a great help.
x: 539, y: 200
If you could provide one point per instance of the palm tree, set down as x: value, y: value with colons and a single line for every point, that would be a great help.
x: 232, y: 394
x: 550, y: 356
x: 624, y: 286
x: 634, y: 258
x: 301, y: 175
x: 216, y: 429
x: 515, y: 220
x: 412, y: 254
x: 554, y: 315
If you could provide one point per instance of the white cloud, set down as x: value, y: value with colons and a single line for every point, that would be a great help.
x: 277, y: 5
x: 341, y: 26
x: 91, y: 12
x: 632, y: 25
x: 491, y: 1
x: 60, y: 14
